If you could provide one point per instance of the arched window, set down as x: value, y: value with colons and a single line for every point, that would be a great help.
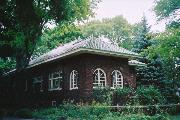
x: 117, y: 79
x: 73, y: 80
x: 99, y: 78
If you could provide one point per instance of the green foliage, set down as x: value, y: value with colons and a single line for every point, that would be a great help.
x: 23, y: 113
x: 103, y: 95
x: 146, y: 97
x: 152, y: 74
x: 22, y: 23
x: 93, y: 112
x: 6, y: 64
x: 117, y: 29
x: 141, y: 40
x: 136, y: 117
x: 52, y: 38
x: 167, y: 47
x: 123, y: 92
x: 165, y: 8
x: 149, y: 96
x: 71, y: 111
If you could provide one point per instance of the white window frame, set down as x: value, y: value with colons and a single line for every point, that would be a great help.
x: 74, y: 80
x: 53, y: 79
x: 97, y: 82
x: 53, y: 103
x: 37, y: 80
x: 118, y: 83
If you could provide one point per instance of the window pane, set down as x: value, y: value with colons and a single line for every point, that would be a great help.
x: 55, y: 80
x: 99, y: 78
x: 117, y: 79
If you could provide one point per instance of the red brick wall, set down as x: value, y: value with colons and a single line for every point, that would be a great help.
x: 108, y: 64
x: 85, y: 65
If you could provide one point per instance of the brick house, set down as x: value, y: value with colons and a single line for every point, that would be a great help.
x: 72, y: 70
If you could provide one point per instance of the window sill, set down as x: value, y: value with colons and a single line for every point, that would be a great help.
x: 116, y: 88
x: 99, y: 87
x: 54, y: 89
x: 74, y: 88
x: 113, y: 88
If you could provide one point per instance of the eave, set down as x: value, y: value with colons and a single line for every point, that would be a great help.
x: 86, y: 50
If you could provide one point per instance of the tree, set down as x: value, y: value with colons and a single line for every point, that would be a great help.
x: 168, y: 48
x: 153, y: 73
x: 165, y: 8
x: 116, y: 29
x: 52, y: 38
x: 141, y: 41
x: 168, y: 9
x: 22, y: 22
x: 6, y: 64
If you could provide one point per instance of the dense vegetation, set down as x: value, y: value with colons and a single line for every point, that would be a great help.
x: 101, y: 110
x: 22, y: 23
x: 23, y: 39
x: 93, y: 112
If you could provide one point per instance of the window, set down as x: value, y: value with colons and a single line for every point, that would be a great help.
x: 99, y: 78
x: 38, y: 84
x: 117, y: 79
x: 73, y: 80
x: 53, y: 103
x: 55, y: 80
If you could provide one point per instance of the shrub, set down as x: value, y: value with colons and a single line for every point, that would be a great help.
x: 149, y: 96
x: 103, y: 95
x: 93, y: 112
x: 71, y: 111
x: 122, y: 96
x: 24, y: 113
x: 123, y: 92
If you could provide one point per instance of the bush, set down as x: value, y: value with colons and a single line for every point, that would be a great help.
x: 136, y: 117
x: 71, y: 111
x: 149, y: 96
x: 93, y: 112
x: 103, y: 95
x: 123, y: 92
x: 122, y: 96
x: 23, y: 113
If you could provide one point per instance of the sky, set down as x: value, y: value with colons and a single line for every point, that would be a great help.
x: 132, y: 10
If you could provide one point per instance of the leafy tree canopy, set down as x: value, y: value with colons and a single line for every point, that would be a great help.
x: 141, y: 39
x: 117, y: 29
x: 52, y: 38
x: 167, y: 46
x: 22, y: 22
x: 165, y: 8
x: 168, y: 9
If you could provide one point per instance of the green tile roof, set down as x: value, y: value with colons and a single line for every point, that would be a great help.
x: 91, y: 44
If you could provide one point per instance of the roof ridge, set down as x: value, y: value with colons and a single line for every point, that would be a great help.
x: 94, y: 43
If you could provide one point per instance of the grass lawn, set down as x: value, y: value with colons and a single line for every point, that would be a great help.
x: 175, y: 117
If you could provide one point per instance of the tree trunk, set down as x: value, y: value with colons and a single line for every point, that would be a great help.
x: 22, y: 60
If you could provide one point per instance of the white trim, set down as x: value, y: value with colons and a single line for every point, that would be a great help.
x: 54, y: 103
x: 87, y: 50
x: 98, y: 75
x: 53, y: 89
x: 73, y: 81
x: 53, y: 79
x: 37, y: 80
x: 118, y: 80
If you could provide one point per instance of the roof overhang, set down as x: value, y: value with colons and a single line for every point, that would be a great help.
x: 136, y: 63
x: 86, y: 50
